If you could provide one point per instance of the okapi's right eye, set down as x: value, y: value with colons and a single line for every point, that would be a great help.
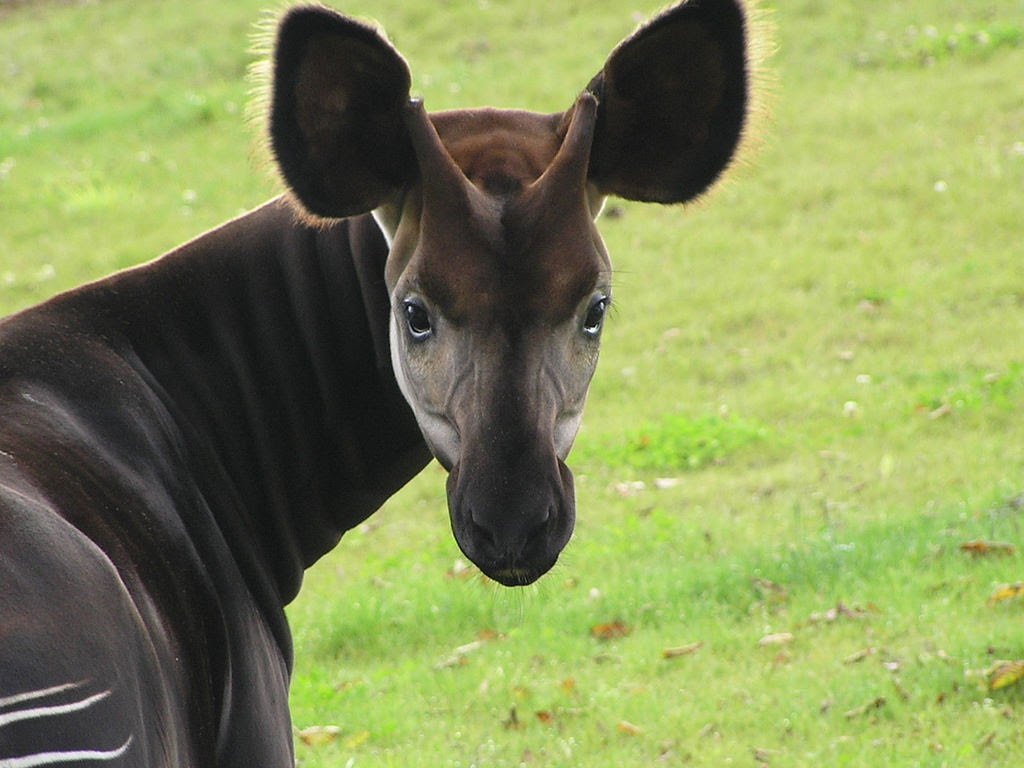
x: 595, y: 316
x: 417, y: 319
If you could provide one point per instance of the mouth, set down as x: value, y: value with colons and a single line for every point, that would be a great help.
x: 514, y: 576
x: 504, y: 567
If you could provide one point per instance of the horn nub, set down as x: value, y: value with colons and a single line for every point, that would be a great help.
x: 440, y: 175
x: 568, y: 171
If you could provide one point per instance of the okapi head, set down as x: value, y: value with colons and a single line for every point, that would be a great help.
x: 498, y: 278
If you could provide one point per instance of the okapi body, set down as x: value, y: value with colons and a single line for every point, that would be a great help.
x: 179, y: 441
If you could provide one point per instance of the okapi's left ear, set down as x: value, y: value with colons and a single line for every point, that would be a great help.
x: 336, y: 130
x: 673, y: 103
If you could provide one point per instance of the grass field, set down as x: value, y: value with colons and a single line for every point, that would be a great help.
x: 810, y: 396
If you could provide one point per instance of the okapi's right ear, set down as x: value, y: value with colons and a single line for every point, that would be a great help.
x: 673, y: 102
x: 336, y: 130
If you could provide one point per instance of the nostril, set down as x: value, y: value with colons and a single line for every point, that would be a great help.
x: 539, y: 530
x: 481, y: 533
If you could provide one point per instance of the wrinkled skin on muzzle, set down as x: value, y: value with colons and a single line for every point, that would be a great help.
x: 510, y: 493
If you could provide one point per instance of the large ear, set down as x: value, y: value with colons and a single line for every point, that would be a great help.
x: 673, y: 102
x: 336, y: 129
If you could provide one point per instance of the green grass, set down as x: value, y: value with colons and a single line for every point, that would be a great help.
x: 826, y: 358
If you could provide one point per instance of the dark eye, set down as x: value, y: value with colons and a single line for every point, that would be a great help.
x: 417, y: 319
x: 595, y: 316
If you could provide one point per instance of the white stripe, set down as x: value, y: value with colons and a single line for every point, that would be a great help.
x: 53, y: 758
x: 10, y: 701
x: 61, y: 709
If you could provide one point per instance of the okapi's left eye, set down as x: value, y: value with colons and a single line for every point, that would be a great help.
x: 595, y: 316
x: 417, y: 319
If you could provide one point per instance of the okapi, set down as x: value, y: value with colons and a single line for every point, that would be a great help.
x: 179, y: 441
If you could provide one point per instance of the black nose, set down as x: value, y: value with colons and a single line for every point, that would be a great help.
x: 512, y: 529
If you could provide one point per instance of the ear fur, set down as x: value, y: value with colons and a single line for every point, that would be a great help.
x: 337, y: 99
x: 674, y: 99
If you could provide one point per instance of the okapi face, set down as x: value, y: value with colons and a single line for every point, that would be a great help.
x: 498, y: 278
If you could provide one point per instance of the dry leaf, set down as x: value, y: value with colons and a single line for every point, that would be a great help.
x: 569, y: 685
x: 628, y: 728
x: 903, y: 692
x: 629, y: 488
x: 681, y: 650
x: 610, y: 631
x: 545, y: 717
x: 778, y: 638
x: 1003, y: 674
x: 980, y: 547
x: 841, y: 610
x: 1007, y: 592
x: 319, y: 735
x: 458, y: 656
x: 859, y: 656
x: 460, y: 570
x: 863, y: 709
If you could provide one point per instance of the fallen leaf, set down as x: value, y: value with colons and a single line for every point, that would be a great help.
x: 569, y: 685
x: 460, y: 570
x: 863, y: 709
x: 545, y: 717
x: 709, y: 730
x: 980, y: 547
x: 629, y: 488
x: 319, y: 735
x: 458, y: 656
x: 903, y: 692
x: 628, y: 728
x: 1007, y: 592
x: 681, y: 650
x: 449, y: 662
x: 778, y: 638
x: 1003, y: 674
x: 840, y: 610
x: 610, y: 631
x: 859, y: 656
